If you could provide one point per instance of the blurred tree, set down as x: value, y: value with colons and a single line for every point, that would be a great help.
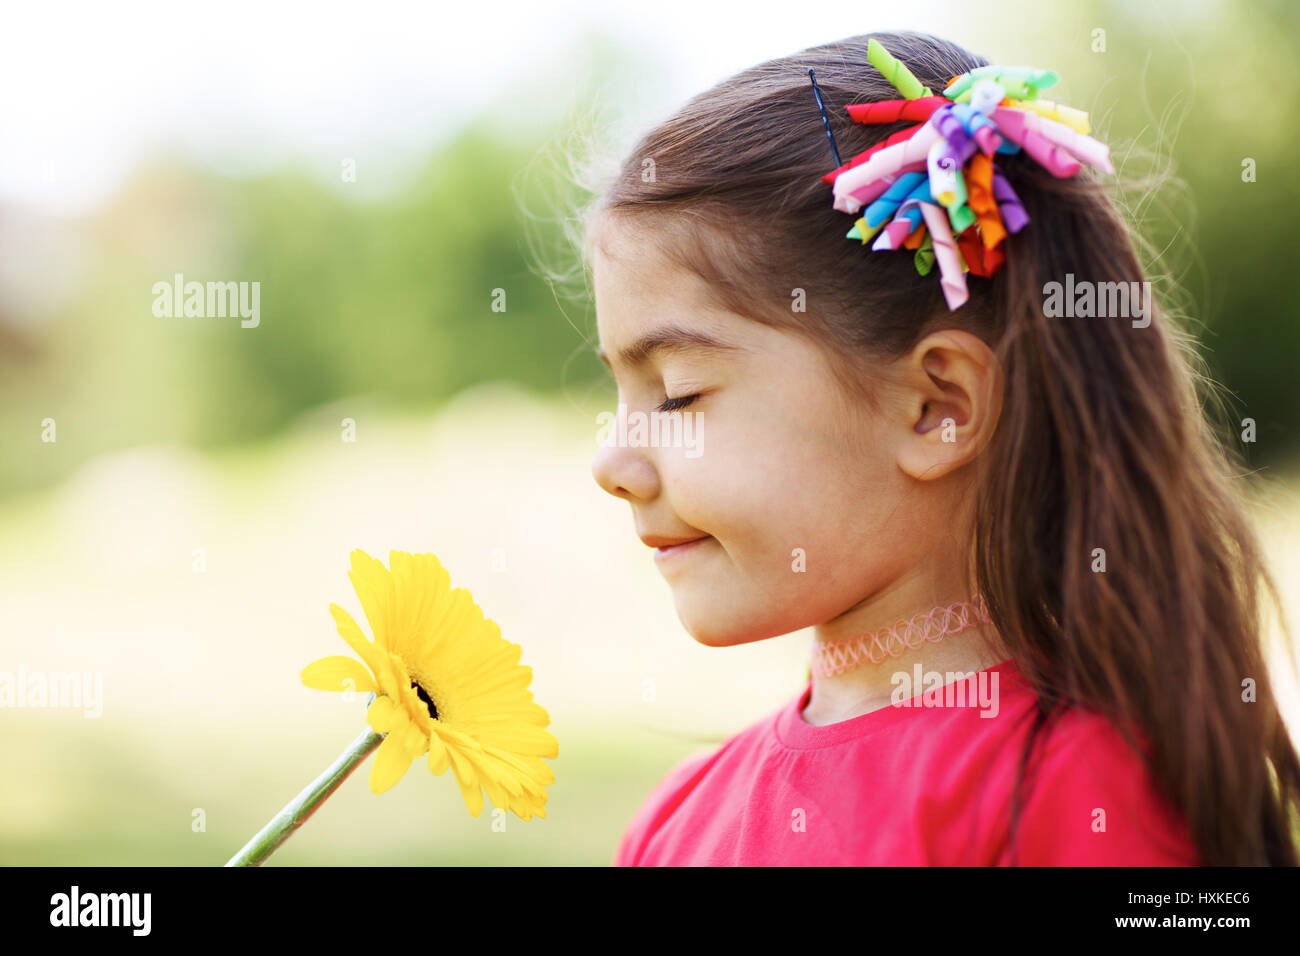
x: 394, y: 296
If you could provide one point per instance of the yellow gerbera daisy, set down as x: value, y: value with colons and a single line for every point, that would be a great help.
x: 447, y: 684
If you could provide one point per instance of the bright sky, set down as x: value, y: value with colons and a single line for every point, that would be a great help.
x: 90, y: 88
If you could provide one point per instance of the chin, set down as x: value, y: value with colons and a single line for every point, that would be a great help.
x: 715, y: 639
x: 707, y: 628
x: 713, y: 629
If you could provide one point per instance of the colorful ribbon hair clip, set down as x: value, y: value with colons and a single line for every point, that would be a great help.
x: 934, y: 187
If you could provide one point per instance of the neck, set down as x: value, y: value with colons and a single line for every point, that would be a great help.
x: 865, y: 680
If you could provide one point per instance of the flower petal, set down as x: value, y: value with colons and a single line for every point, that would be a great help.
x: 391, y: 763
x: 497, y: 794
x: 525, y: 809
x: 522, y: 739
x: 414, y: 741
x: 350, y: 632
x: 531, y: 772
x: 468, y: 781
x: 384, y: 716
x: 419, y: 584
x: 374, y: 586
x: 438, y: 761
x: 338, y: 673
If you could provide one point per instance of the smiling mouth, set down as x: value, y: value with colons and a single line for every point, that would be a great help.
x: 674, y: 549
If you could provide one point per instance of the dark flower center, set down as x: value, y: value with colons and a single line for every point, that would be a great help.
x: 428, y: 701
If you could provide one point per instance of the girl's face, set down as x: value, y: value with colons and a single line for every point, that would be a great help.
x: 792, y: 487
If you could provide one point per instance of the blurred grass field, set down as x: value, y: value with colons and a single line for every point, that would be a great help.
x: 203, y: 709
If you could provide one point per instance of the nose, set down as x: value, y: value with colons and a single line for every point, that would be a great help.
x: 625, y: 473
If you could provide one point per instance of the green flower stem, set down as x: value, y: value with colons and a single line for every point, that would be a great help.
x: 296, y: 812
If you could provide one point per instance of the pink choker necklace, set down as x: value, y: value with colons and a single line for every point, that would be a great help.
x: 875, y: 646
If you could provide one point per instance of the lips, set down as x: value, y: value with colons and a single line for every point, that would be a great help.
x: 671, y: 553
x: 665, y: 543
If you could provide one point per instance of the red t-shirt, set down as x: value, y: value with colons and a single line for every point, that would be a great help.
x: 912, y: 785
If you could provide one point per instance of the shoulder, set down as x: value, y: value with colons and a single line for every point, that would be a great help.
x: 661, y: 802
x: 719, y: 762
x: 1091, y: 801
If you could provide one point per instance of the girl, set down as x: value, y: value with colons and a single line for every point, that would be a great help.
x: 1033, y: 587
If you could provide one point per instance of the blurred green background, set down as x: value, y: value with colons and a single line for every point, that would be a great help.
x: 474, y: 427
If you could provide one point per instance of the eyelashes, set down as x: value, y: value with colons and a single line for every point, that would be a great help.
x: 676, y: 404
x: 668, y: 404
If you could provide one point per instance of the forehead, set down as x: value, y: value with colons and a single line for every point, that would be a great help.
x: 637, y: 287
x: 626, y: 254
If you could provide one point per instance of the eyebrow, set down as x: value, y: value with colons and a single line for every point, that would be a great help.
x: 667, y: 339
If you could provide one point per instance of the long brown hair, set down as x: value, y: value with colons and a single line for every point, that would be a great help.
x: 1102, y: 443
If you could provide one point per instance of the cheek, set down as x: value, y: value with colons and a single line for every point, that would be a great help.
x: 807, y: 517
x: 766, y: 488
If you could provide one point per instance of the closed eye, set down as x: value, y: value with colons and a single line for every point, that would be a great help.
x: 676, y: 404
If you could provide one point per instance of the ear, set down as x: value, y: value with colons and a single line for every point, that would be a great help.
x: 952, y: 394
